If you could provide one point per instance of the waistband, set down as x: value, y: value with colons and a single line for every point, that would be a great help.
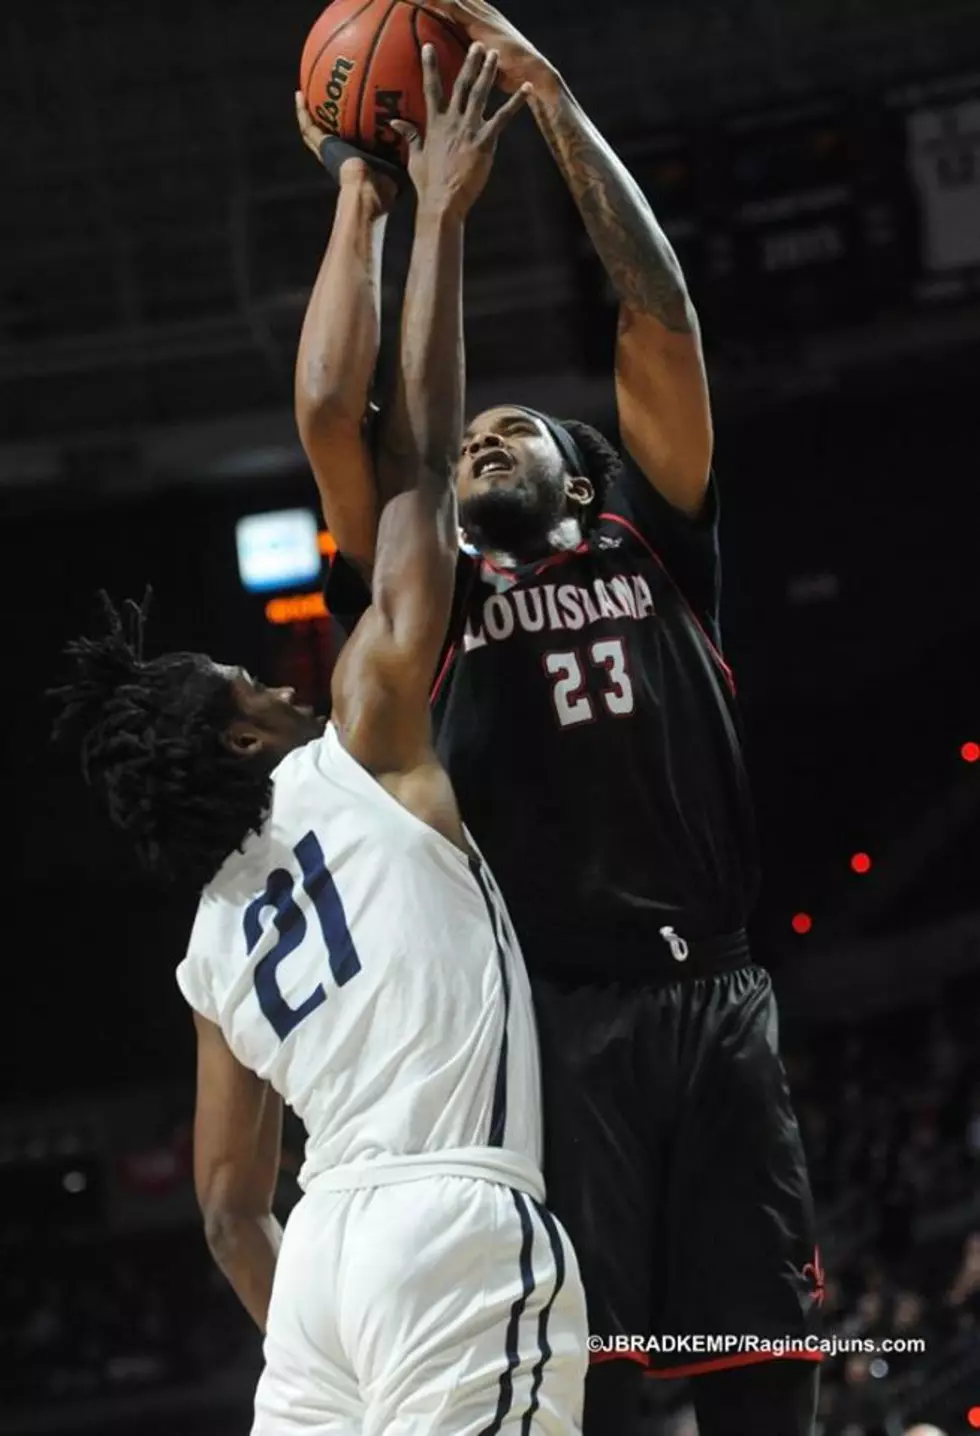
x: 703, y: 956
x: 485, y: 1164
x: 670, y: 955
x: 678, y: 957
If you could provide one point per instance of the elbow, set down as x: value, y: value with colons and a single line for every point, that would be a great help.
x: 224, y: 1225
x: 326, y: 393
x: 219, y: 1230
x: 324, y: 406
x: 230, y: 1234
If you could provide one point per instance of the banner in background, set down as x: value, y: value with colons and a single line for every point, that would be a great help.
x: 944, y: 164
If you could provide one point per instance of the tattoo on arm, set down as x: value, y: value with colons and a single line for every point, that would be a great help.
x: 638, y: 257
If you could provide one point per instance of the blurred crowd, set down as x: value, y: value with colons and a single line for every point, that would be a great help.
x: 86, y: 1319
x: 891, y: 1116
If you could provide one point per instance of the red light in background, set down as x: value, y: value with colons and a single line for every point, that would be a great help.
x: 970, y: 753
x: 973, y: 1416
x: 861, y: 863
x: 802, y: 923
x: 326, y: 543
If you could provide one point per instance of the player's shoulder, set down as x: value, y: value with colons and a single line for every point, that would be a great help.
x: 637, y: 513
x: 296, y: 777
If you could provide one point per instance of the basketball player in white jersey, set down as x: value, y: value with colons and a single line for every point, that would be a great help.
x: 353, y: 958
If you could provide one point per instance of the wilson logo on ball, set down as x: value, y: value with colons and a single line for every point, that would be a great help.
x: 328, y: 111
x: 361, y: 68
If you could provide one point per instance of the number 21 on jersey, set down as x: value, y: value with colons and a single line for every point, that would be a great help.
x: 569, y: 693
x: 290, y: 923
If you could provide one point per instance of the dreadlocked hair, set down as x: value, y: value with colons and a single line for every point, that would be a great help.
x: 602, y: 466
x: 149, y: 735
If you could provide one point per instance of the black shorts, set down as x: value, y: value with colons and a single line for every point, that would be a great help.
x: 673, y: 1158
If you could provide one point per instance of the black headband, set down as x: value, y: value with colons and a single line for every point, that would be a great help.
x: 564, y: 442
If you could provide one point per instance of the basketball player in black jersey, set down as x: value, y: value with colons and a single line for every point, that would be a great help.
x: 588, y: 721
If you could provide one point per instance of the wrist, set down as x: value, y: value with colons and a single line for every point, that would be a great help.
x: 549, y: 87
x: 356, y: 178
x: 363, y: 204
x: 440, y: 211
x: 360, y: 184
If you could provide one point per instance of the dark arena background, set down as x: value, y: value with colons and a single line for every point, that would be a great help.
x: 817, y: 165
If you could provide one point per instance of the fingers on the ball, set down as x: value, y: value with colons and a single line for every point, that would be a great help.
x: 507, y: 111
x: 431, y: 80
x: 468, y: 76
x: 483, y: 84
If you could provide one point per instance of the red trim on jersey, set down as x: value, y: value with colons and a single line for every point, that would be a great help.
x: 549, y: 562
x: 618, y: 519
x: 562, y: 557
x: 440, y: 680
x: 495, y: 568
x: 726, y: 1363
x: 598, y: 1356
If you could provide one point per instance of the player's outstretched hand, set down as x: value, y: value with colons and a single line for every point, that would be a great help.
x: 450, y: 167
x: 519, y: 62
x: 356, y: 170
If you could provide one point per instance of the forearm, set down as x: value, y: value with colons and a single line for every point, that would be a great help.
x: 338, y: 348
x: 245, y: 1249
x: 638, y: 257
x: 423, y: 438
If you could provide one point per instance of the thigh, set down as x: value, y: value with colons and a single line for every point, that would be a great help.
x: 486, y: 1331
x: 743, y: 1262
x: 597, y: 1158
x: 307, y: 1387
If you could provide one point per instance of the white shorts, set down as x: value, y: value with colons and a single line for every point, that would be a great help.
x: 447, y: 1306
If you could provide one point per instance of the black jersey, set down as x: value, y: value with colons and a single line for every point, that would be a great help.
x: 587, y: 721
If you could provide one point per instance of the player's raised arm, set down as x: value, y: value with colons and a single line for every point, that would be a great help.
x: 661, y: 387
x: 338, y: 351
x: 381, y: 683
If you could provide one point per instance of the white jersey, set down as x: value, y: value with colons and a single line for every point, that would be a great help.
x: 363, y: 965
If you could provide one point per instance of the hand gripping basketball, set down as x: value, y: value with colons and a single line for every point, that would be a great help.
x: 383, y: 177
x: 518, y: 61
x: 451, y: 166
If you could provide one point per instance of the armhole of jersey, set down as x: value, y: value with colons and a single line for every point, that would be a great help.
x: 194, y: 987
x: 357, y: 778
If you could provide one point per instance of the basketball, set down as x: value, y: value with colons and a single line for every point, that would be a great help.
x: 362, y: 68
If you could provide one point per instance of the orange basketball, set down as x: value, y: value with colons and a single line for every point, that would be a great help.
x: 362, y: 68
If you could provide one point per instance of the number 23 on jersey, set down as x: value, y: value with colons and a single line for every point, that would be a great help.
x: 572, y: 701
